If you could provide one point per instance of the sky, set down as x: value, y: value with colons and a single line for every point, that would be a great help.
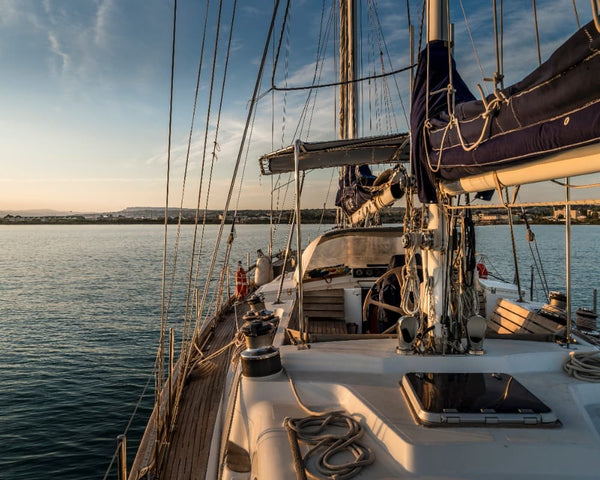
x: 84, y: 86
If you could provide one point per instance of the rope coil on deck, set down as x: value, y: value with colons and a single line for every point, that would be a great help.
x: 584, y: 366
x: 328, y: 434
x: 318, y: 432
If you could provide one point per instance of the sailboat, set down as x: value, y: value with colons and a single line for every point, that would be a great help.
x: 382, y: 354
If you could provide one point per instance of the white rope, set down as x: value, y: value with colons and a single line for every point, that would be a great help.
x: 410, y: 289
x: 584, y: 366
x: 315, y: 430
x: 489, y: 109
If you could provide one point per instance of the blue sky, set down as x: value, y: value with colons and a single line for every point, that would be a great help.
x: 85, y: 88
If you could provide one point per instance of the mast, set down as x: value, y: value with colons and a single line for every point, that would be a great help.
x: 437, y: 21
x: 348, y: 70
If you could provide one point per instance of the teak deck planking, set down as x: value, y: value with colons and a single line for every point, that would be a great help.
x: 187, y: 455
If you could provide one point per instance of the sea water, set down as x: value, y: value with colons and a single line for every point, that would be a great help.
x: 80, y: 316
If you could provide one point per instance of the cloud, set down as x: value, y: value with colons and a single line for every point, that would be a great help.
x: 101, y: 21
x: 56, y: 49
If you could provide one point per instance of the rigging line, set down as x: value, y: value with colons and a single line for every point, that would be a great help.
x: 576, y: 15
x: 502, y: 43
x: 203, y: 164
x: 220, y: 109
x: 201, y: 183
x: 242, y: 142
x: 190, y: 286
x: 187, y: 312
x: 286, y: 76
x: 496, y: 45
x: 512, y: 239
x: 336, y: 84
x: 130, y: 422
x: 213, y: 157
x: 163, y: 312
x: 215, y: 147
x: 242, y: 176
x: 374, y: 13
x: 473, y: 43
x: 325, y: 202
x: 319, y: 64
x: 537, y: 32
x: 529, y: 204
x: 285, y: 197
x: 450, y: 93
x: 537, y: 259
x: 316, y: 74
x: 360, y: 62
x: 421, y: 24
x: 314, y: 103
x: 283, y: 26
x: 563, y: 184
x: 336, y: 68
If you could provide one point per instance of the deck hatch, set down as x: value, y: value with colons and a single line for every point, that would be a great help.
x: 474, y: 399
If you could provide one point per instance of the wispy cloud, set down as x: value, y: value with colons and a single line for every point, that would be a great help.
x: 101, y: 21
x: 56, y: 49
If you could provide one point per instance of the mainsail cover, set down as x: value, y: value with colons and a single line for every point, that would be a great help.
x: 353, y: 188
x: 556, y: 107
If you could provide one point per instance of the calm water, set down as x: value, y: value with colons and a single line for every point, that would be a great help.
x: 79, y: 316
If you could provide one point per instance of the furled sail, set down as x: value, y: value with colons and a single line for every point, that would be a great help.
x: 354, y: 188
x: 556, y: 107
x: 361, y: 194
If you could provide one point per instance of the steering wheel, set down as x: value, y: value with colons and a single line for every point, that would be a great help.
x: 397, y: 272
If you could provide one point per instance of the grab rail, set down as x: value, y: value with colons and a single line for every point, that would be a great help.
x: 595, y: 9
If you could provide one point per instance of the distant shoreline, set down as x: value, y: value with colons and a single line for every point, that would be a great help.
x: 155, y: 216
x: 174, y: 221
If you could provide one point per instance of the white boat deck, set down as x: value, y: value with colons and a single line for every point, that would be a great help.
x: 363, y: 378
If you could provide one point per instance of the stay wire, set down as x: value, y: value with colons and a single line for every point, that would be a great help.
x: 468, y: 26
x: 163, y: 312
x: 243, y: 140
x: 213, y: 155
x: 195, y: 257
x: 319, y: 64
x: 382, y: 42
x: 576, y: 15
x: 188, y: 299
x: 131, y: 418
x: 215, y: 141
x: 281, y: 33
x: 537, y: 32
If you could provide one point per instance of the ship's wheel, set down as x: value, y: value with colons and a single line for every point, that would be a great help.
x: 369, y: 315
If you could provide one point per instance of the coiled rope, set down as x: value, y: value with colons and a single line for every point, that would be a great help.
x: 584, y: 366
x: 329, y: 433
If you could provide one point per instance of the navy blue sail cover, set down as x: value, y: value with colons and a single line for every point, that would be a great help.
x: 556, y: 107
x: 353, y: 189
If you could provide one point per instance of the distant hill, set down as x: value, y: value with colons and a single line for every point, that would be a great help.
x: 37, y: 213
